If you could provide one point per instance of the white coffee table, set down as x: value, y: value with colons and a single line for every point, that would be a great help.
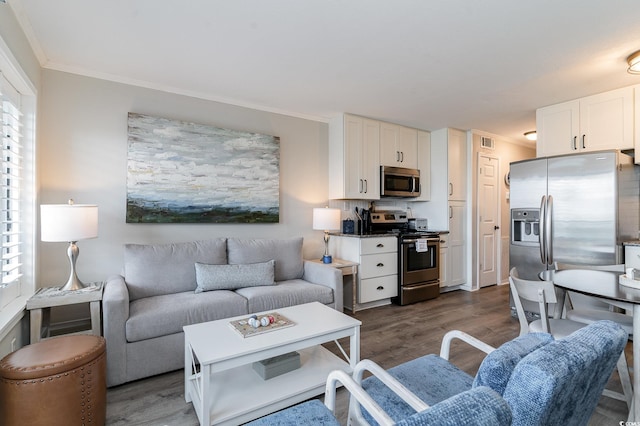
x: 219, y: 377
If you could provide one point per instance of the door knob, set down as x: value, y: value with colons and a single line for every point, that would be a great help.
x: 496, y: 227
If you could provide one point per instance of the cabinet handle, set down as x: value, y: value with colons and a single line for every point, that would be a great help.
x: 450, y: 188
x: 379, y: 288
x: 444, y: 241
x: 380, y: 265
x: 361, y: 186
x: 583, y: 145
x: 575, y: 143
x: 450, y: 212
x: 397, y: 156
x: 401, y: 157
x: 380, y: 245
x: 366, y: 186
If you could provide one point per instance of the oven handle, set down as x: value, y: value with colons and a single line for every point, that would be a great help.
x: 416, y: 239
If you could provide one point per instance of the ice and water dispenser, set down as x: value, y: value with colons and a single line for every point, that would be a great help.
x: 525, y: 226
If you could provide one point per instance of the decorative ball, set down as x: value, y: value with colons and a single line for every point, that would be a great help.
x: 264, y: 321
x: 253, y: 322
x: 254, y: 316
x: 271, y: 319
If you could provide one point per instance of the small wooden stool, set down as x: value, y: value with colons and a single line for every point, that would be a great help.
x: 59, y: 381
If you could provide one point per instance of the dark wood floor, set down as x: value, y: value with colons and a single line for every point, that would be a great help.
x: 390, y: 335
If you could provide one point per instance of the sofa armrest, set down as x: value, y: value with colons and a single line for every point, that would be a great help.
x: 115, y: 312
x: 328, y: 276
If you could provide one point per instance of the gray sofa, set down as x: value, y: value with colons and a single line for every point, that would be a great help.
x: 167, y: 286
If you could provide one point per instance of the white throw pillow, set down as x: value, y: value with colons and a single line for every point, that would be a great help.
x: 232, y: 277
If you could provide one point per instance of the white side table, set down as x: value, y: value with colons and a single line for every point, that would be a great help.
x: 348, y: 268
x: 48, y: 297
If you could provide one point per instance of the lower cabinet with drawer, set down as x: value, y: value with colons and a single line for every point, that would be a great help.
x: 632, y: 255
x: 378, y: 271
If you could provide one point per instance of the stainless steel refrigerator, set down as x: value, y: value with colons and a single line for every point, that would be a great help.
x: 575, y: 208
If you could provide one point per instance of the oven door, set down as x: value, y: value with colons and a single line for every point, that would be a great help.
x: 419, y: 266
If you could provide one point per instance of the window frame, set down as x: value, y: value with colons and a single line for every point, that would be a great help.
x: 12, y: 313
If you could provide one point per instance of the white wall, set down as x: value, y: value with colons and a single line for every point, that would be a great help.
x: 82, y: 148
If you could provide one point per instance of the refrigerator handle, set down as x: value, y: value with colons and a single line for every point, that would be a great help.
x: 541, y: 237
x: 548, y: 232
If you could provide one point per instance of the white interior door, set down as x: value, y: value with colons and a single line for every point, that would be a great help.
x: 488, y: 220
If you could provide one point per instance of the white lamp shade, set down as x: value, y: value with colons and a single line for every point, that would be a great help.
x: 68, y: 222
x: 326, y: 219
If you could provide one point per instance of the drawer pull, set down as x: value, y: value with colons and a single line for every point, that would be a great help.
x: 380, y: 245
x: 379, y: 265
x: 380, y: 288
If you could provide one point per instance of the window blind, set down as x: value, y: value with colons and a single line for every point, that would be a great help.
x: 11, y: 185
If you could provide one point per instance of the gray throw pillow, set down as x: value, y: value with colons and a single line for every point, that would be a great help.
x: 232, y: 277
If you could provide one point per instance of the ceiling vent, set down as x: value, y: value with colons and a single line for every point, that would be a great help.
x: 487, y: 143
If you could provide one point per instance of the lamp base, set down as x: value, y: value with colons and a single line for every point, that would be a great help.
x: 73, y: 283
x: 327, y: 259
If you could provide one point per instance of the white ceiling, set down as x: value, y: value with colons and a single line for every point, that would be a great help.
x: 483, y: 64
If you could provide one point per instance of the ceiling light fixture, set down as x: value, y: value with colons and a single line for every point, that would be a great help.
x: 634, y: 63
x: 532, y: 135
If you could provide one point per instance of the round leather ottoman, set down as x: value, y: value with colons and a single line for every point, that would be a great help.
x: 59, y: 381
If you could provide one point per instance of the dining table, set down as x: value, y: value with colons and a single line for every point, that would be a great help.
x: 605, y: 286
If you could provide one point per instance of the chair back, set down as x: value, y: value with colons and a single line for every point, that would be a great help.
x: 479, y: 406
x: 542, y: 292
x: 496, y: 368
x: 561, y: 383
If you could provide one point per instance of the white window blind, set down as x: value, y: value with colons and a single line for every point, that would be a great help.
x: 11, y: 183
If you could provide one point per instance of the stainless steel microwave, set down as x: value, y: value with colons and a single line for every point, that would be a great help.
x: 399, y: 182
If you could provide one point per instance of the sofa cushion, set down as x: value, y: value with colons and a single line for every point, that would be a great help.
x: 231, y: 277
x: 287, y: 253
x: 157, y: 269
x: 283, y: 294
x: 166, y: 314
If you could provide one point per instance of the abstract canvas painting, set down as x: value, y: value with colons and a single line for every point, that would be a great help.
x: 182, y: 172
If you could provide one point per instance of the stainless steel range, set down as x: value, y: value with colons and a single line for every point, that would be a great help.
x: 418, y: 257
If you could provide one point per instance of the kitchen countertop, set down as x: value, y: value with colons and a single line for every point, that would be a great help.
x: 340, y: 234
x: 631, y: 243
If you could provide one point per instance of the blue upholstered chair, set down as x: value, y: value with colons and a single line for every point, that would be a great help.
x: 557, y: 384
x: 433, y: 378
x: 479, y: 406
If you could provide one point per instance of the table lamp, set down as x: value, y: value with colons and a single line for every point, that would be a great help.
x: 71, y: 223
x: 326, y: 219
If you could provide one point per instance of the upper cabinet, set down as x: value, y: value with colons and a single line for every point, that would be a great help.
x: 457, y: 164
x: 424, y: 165
x: 354, y: 162
x: 594, y: 123
x: 637, y: 124
x: 398, y: 146
x: 358, y: 146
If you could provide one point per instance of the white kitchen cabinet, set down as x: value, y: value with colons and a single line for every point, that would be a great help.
x: 457, y: 164
x: 594, y: 123
x: 378, y: 270
x: 424, y: 165
x: 398, y: 146
x: 456, y: 243
x: 636, y: 120
x: 447, y: 208
x: 445, y: 263
x: 354, y: 158
x: 632, y: 256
